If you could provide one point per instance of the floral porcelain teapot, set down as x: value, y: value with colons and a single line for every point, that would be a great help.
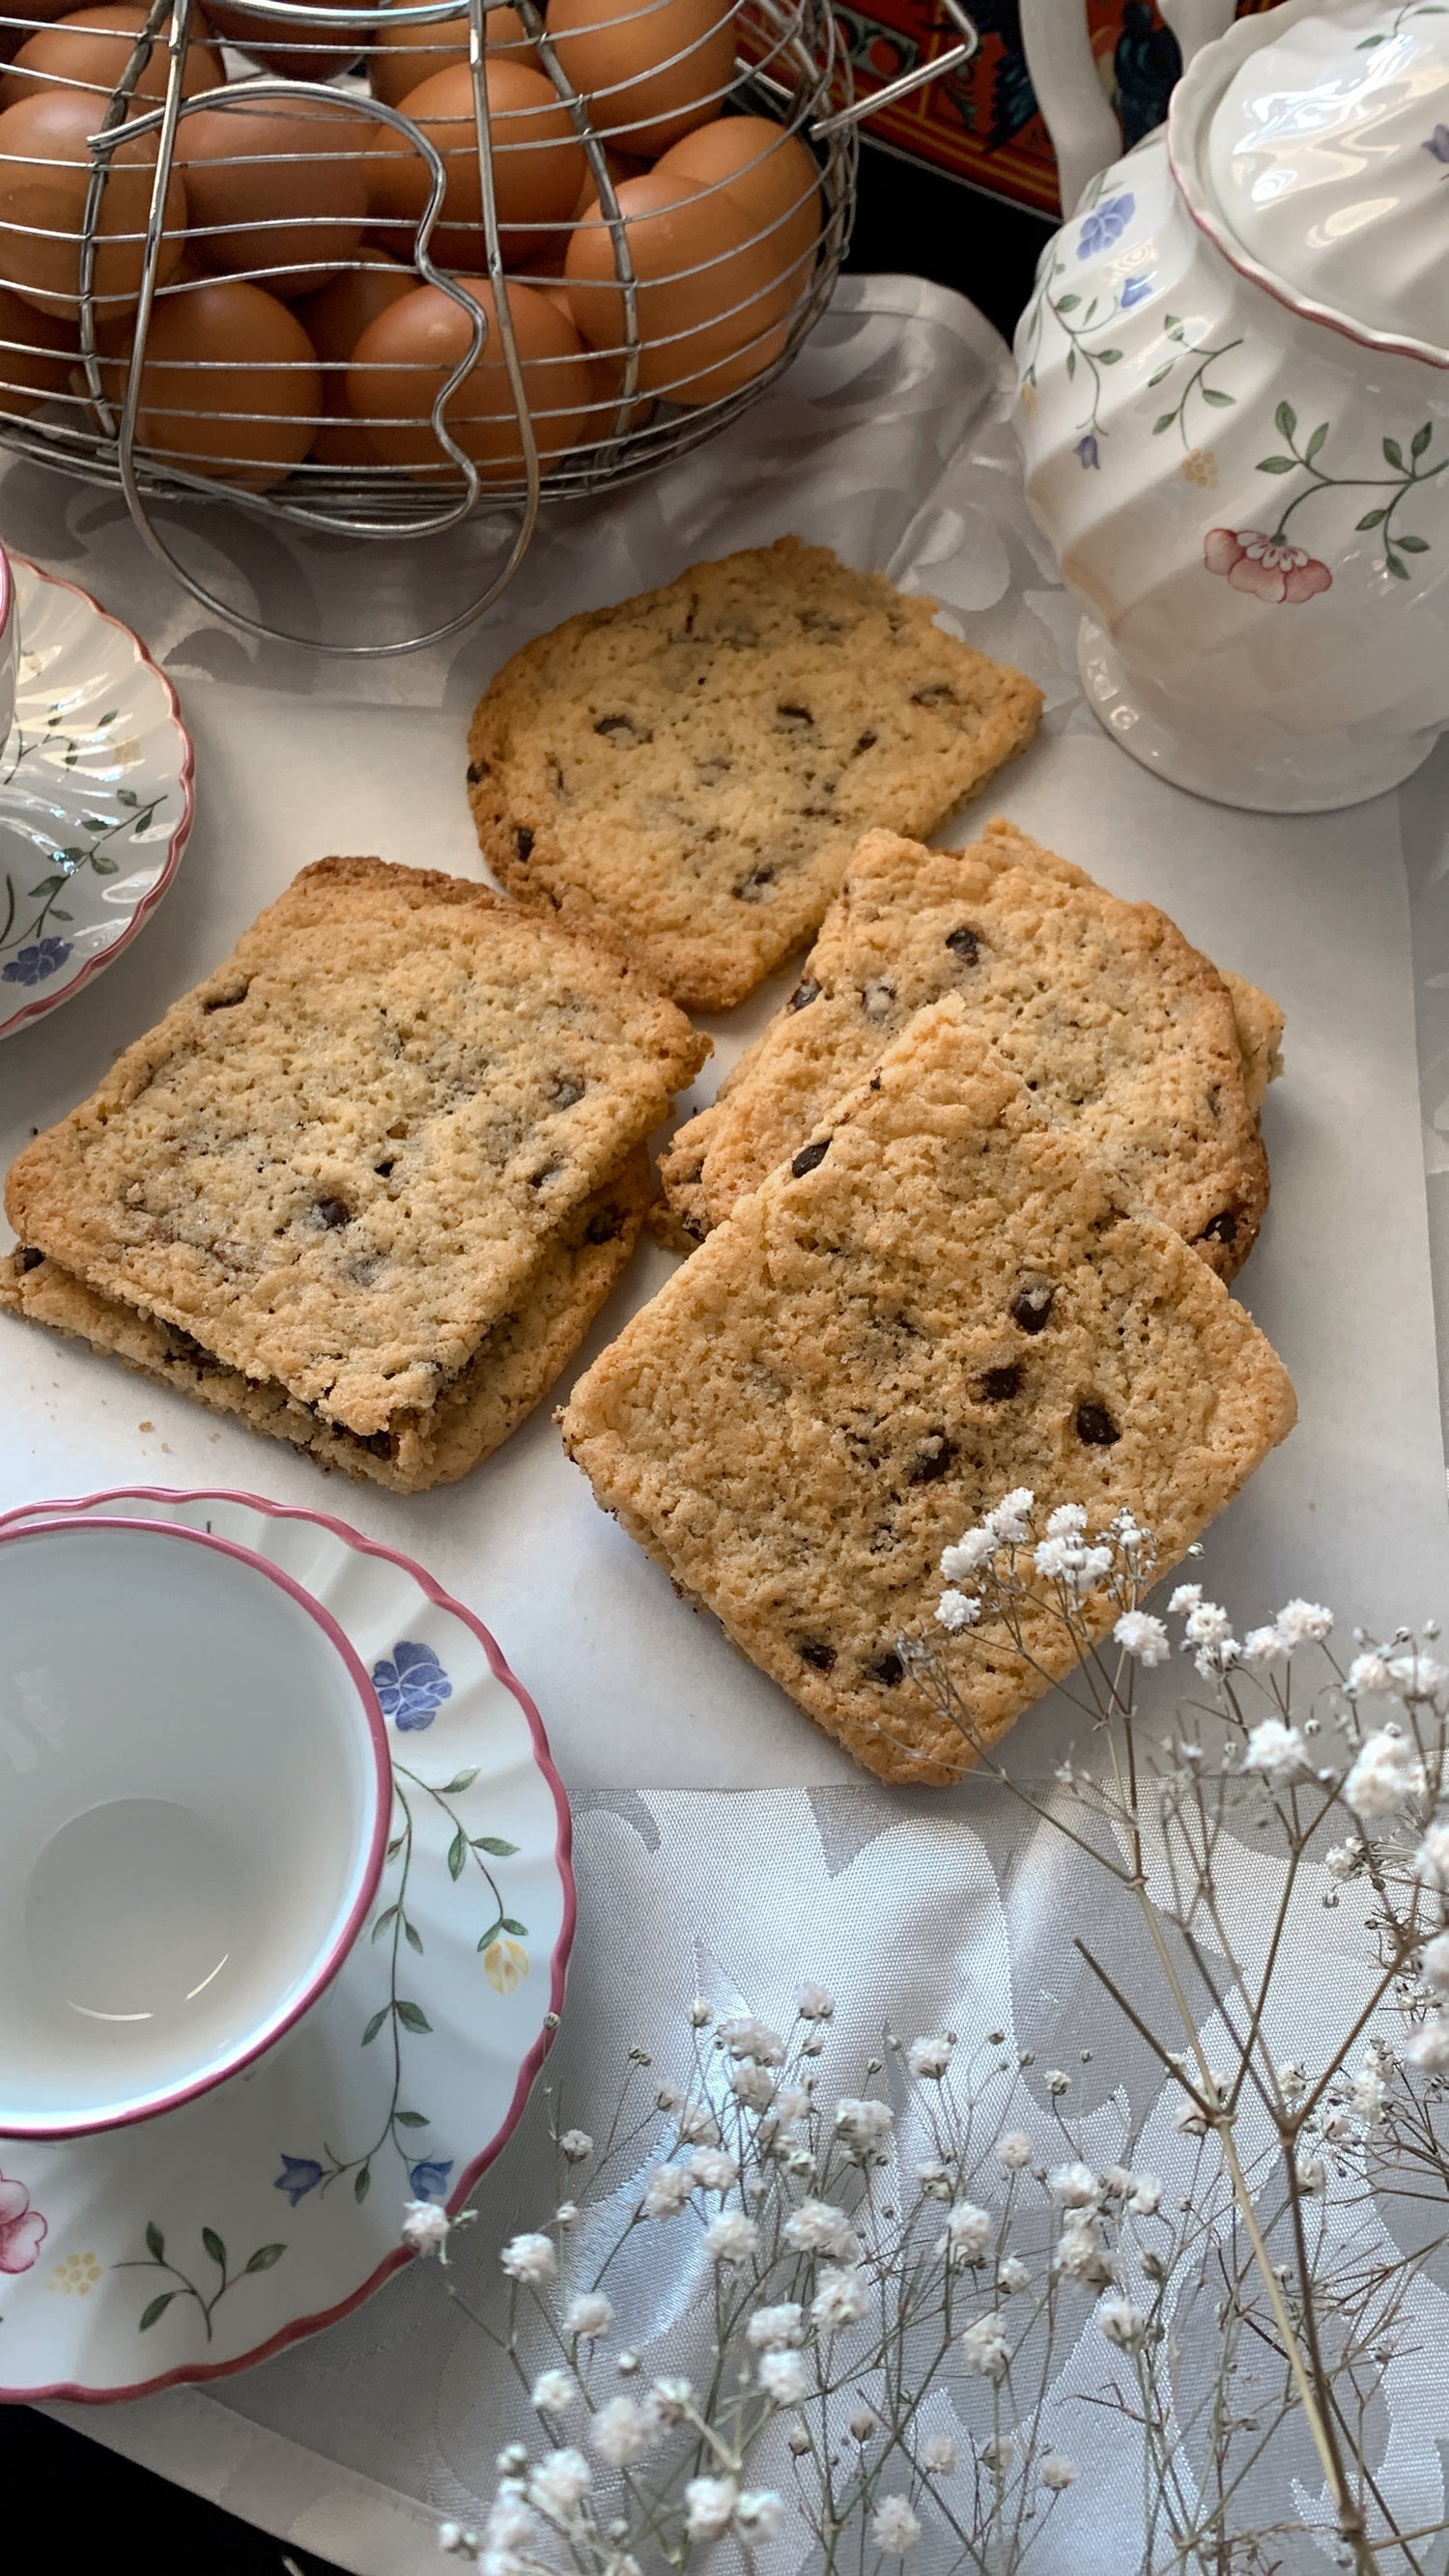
x: 1233, y: 390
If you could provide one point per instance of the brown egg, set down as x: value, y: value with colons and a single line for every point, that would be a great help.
x: 334, y: 320
x: 44, y: 177
x: 768, y: 174
x: 401, y: 57
x: 620, y: 166
x: 275, y: 186
x: 37, y: 13
x: 91, y: 48
x: 405, y: 356
x: 538, y: 164
x: 292, y: 48
x: 649, y: 72
x: 35, y: 356
x: 710, y: 297
x: 217, y: 355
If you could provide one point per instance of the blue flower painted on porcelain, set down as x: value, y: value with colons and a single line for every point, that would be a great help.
x: 1133, y: 292
x: 32, y: 965
x: 1085, y: 451
x: 430, y: 2178
x: 1438, y: 143
x: 411, y: 1686
x: 1105, y: 224
x: 299, y: 2175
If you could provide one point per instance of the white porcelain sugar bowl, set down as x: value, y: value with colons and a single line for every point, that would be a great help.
x: 1234, y: 408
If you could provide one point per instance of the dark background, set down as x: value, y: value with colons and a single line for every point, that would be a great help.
x: 90, y: 2506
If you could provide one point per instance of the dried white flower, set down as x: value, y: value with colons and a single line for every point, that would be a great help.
x: 957, y: 1610
x: 531, y: 2259
x: 668, y: 2190
x: 668, y: 2098
x: 566, y: 2214
x: 894, y: 2528
x: 731, y: 2238
x: 1058, y: 2473
x: 708, y: 2505
x: 984, y: 2347
x: 1431, y: 1860
x: 701, y: 2014
x: 771, y: 2329
x: 1434, y: 1967
x: 1081, y: 2253
x: 427, y: 2227
x: 759, y: 2515
x: 818, y: 2228
x: 1068, y: 1520
x: 455, y: 2542
x: 1264, y: 1646
x: 1013, y: 2275
x: 1122, y: 2324
x: 1429, y: 2046
x: 589, y: 2314
x: 839, y: 2300
x: 1016, y: 2151
x: 753, y: 2085
x: 1312, y: 2173
x: 938, y: 2455
x: 1143, y: 1637
x: 1344, y: 1860
x: 1417, y: 1676
x: 862, y: 2424
x: 862, y: 2125
x: 974, y: 1549
x: 1278, y: 1751
x: 559, y: 2484
x: 1387, y: 1771
x: 1008, y: 1520
x: 554, y: 2392
x: 1145, y: 2198
x: 969, y: 2232
x: 1207, y: 1624
x: 1304, y: 1623
x: 714, y: 2168
x: 747, y: 2037
x: 785, y: 2377
x: 575, y: 2145
x: 510, y: 2525
x: 697, y: 2125
x: 1369, y: 1676
x: 1367, y: 2098
x: 621, y: 2433
x: 791, y: 2104
x: 1057, y: 2082
x: 1075, y: 2186
x: 928, y: 2059
x: 667, y: 2401
x: 1058, y: 1558
x: 813, y: 2003
x: 1186, y: 1597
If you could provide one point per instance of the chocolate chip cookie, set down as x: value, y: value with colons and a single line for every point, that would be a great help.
x: 936, y: 1300
x: 686, y: 774
x: 1123, y: 1033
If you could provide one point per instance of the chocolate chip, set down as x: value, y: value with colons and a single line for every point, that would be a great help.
x: 812, y: 1650
x: 751, y: 889
x: 1095, y: 1426
x: 378, y: 1444
x: 887, y: 1669
x: 803, y: 995
x: 566, y: 1090
x: 965, y: 943
x: 936, y: 694
x: 1220, y: 1229
x: 810, y: 1157
x: 603, y: 1227
x: 384, y: 1169
x: 332, y: 1213
x: 30, y: 1259
x: 1032, y: 1305
x: 523, y: 843
x: 931, y: 1460
x: 999, y: 1385
x: 227, y: 1001
x: 183, y: 1346
x: 477, y: 769
x: 865, y: 742
x: 790, y: 712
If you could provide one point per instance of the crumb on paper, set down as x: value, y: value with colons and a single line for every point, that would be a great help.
x: 145, y: 1426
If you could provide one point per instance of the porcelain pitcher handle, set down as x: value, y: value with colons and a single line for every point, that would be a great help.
x: 1075, y: 110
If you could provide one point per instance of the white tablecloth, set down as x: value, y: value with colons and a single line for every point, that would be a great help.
x: 888, y: 440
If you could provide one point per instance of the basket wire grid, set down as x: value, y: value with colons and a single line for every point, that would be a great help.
x: 787, y: 63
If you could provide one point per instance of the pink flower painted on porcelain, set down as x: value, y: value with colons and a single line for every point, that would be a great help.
x: 1264, y: 565
x: 22, y: 2229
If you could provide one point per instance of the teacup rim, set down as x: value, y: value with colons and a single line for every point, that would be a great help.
x: 325, y: 1969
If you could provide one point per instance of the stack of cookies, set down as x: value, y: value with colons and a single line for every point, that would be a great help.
x: 366, y: 1186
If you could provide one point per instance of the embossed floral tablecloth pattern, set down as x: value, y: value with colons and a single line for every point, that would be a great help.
x: 889, y: 439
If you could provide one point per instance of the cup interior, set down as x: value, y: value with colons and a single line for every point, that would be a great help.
x: 194, y: 1793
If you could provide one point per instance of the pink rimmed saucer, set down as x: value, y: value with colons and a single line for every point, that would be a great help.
x: 95, y: 796
x: 215, y: 2234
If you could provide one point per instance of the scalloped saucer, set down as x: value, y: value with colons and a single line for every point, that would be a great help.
x: 215, y: 2234
x: 95, y: 796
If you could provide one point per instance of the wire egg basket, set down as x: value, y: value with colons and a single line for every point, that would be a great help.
x: 379, y: 269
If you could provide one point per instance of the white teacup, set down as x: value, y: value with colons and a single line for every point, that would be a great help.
x: 194, y: 1801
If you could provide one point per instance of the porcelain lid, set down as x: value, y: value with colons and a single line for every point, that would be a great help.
x: 1328, y: 155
